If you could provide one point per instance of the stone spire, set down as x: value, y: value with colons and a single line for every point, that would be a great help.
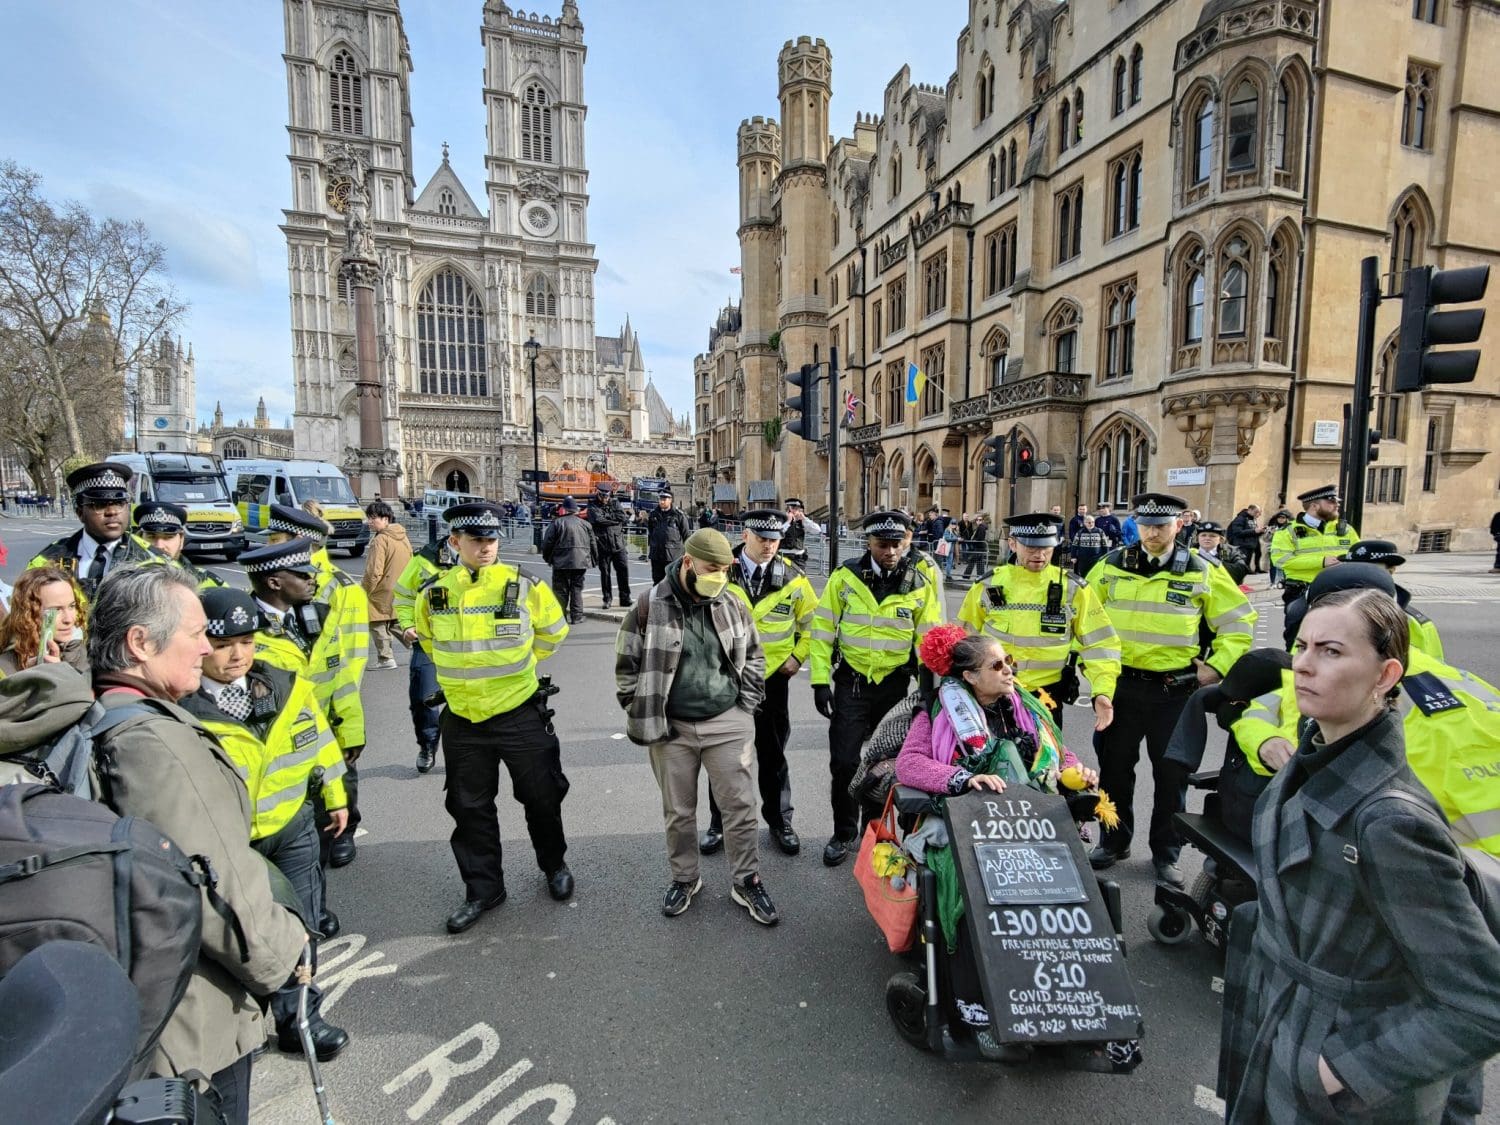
x: 262, y: 417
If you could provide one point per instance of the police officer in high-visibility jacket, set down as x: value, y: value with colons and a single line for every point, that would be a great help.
x: 1157, y: 595
x: 487, y: 626
x: 1048, y: 620
x: 349, y: 618
x: 873, y: 612
x: 781, y: 602
x: 273, y: 729
x: 101, y: 499
x: 164, y: 528
x: 425, y: 565
x: 1313, y: 540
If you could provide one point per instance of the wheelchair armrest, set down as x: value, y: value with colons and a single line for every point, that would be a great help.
x: 914, y: 802
x: 1204, y: 779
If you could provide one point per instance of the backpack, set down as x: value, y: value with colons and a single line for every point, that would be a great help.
x: 64, y: 761
x: 72, y: 870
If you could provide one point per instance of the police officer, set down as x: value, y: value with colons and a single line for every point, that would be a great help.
x: 101, y: 499
x: 294, y: 634
x: 782, y: 603
x: 488, y: 625
x: 272, y: 728
x: 348, y: 618
x: 1210, y: 545
x: 873, y: 612
x: 1312, y: 541
x: 1157, y: 595
x: 164, y: 528
x: 667, y: 530
x: 1047, y: 620
x: 794, y: 541
x: 609, y: 520
x: 425, y: 565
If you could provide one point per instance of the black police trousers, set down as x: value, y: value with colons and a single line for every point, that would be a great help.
x: 773, y: 727
x: 293, y: 850
x: 1144, y: 709
x: 523, y: 739
x: 614, y: 558
x: 858, y: 707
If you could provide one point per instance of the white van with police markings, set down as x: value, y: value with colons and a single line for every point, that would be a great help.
x: 256, y: 484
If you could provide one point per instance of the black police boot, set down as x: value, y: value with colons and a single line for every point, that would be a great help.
x: 341, y: 851
x: 327, y: 1040
x: 469, y: 911
x: 836, y: 851
x: 330, y: 927
x: 560, y: 883
x: 787, y: 840
x: 426, y: 756
x: 711, y: 842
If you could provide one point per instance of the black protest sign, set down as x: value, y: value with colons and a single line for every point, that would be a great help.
x: 1050, y: 966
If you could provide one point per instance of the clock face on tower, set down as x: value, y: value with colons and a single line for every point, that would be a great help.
x: 160, y: 423
x: 538, y: 219
x: 337, y: 193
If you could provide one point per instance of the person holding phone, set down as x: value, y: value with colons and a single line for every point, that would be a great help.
x: 45, y: 623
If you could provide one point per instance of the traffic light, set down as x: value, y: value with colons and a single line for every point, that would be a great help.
x: 808, y: 426
x: 1025, y: 461
x: 1423, y: 326
x: 994, y: 457
x: 1374, y: 450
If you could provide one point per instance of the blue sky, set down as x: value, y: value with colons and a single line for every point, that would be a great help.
x: 174, y: 112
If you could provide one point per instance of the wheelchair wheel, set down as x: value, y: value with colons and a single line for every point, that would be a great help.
x: 1169, y: 927
x: 1202, y: 888
x: 906, y: 1001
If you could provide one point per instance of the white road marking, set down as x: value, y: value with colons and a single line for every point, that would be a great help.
x: 1204, y: 1098
x: 1216, y: 984
x: 617, y: 736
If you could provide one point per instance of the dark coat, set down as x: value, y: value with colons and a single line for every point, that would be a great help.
x: 608, y: 520
x: 669, y: 530
x: 1242, y: 533
x: 1233, y: 560
x: 568, y: 544
x: 1365, y: 947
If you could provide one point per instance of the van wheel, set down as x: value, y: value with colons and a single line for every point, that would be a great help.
x: 355, y: 552
x: 1167, y: 926
x: 231, y: 556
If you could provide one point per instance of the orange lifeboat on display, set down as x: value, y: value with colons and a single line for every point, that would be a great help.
x: 580, y: 484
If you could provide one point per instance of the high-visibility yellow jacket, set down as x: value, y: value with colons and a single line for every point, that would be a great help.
x: 206, y: 580
x: 1157, y: 611
x: 873, y: 637
x: 349, y: 617
x: 319, y: 663
x: 1452, y: 724
x: 425, y: 565
x: 932, y: 570
x: 63, y: 554
x: 1299, y: 549
x: 486, y: 631
x: 784, y: 613
x: 1421, y: 630
x: 278, y: 747
x: 1017, y: 608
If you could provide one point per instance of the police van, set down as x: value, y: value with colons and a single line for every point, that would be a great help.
x: 256, y: 484
x: 196, y: 482
x: 438, y: 499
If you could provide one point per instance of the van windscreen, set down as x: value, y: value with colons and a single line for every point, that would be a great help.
x: 190, y: 490
x: 325, y: 490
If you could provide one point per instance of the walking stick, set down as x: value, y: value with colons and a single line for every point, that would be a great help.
x: 304, y: 1031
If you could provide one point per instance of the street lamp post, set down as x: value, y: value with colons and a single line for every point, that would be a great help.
x: 533, y: 349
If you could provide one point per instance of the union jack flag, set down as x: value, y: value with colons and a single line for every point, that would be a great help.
x: 851, y: 403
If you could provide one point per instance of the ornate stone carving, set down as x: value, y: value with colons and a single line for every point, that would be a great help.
x: 1284, y: 17
x: 1218, y: 421
x: 538, y: 185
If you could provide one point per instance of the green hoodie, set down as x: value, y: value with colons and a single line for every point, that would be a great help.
x: 36, y: 706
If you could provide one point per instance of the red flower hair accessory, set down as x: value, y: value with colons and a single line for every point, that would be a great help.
x: 936, y: 648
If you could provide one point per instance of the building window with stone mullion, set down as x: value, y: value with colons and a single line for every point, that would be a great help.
x: 346, y: 97
x: 1119, y: 330
x: 536, y: 125
x: 1243, y: 148
x: 450, y: 338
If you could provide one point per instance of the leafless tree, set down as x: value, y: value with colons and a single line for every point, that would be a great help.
x: 82, y: 301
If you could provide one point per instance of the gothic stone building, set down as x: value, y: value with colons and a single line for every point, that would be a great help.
x: 1132, y: 230
x: 462, y: 287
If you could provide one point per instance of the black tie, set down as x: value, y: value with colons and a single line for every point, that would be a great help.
x: 293, y: 629
x: 96, y: 568
x: 755, y: 581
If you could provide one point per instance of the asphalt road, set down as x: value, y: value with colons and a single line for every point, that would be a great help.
x: 603, y: 1010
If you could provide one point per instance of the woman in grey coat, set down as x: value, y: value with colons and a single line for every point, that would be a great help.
x: 1363, y: 981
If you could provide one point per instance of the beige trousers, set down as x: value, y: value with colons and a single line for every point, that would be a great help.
x: 724, y: 746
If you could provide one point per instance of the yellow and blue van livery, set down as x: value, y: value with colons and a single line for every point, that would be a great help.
x: 256, y: 484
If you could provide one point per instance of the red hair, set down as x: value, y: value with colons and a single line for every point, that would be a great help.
x: 936, y: 648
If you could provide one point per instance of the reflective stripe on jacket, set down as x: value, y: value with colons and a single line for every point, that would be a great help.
x: 486, y: 630
x: 874, y: 638
x: 1299, y: 550
x: 349, y: 617
x: 783, y: 616
x: 1042, y: 649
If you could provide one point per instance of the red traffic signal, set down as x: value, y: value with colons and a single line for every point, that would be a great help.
x: 1025, y: 461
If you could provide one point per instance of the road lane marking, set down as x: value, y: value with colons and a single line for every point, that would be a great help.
x: 1204, y: 1098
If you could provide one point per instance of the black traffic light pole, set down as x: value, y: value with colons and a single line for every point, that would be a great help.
x: 1014, y: 437
x: 1357, y: 430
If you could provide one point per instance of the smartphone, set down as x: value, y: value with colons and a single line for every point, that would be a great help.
x: 49, y: 632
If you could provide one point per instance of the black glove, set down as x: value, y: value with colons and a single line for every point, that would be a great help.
x: 823, y: 700
x: 352, y: 753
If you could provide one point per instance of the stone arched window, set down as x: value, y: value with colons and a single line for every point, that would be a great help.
x: 541, y: 298
x: 895, y: 174
x: 1120, y: 88
x: 1121, y: 454
x: 984, y: 91
x: 446, y: 204
x: 1062, y: 336
x: 1119, y: 330
x: 613, y: 399
x: 1137, y: 73
x: 1077, y: 115
x: 235, y: 448
x: 996, y: 352
x: 1015, y: 171
x: 536, y: 125
x: 1408, y: 234
x: 1390, y: 407
x: 161, y: 386
x: 1234, y: 289
x: 1190, y: 278
x: 451, y: 338
x: 994, y: 175
x: 616, y: 428
x: 1198, y: 118
x: 1286, y: 128
x: 1064, y: 125
x: 877, y: 384
x: 1242, y: 136
x: 1280, y: 272
x: 1417, y: 106
x: 346, y: 96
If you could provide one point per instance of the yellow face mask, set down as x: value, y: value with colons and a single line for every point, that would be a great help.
x: 708, y: 585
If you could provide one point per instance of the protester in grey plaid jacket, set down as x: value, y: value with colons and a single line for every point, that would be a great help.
x: 1362, y: 984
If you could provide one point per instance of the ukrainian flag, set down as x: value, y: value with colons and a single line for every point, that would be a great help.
x: 916, y: 382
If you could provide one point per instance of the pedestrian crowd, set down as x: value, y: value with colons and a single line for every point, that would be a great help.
x: 1367, y: 989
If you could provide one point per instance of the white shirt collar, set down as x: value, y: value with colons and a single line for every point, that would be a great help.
x: 88, y: 546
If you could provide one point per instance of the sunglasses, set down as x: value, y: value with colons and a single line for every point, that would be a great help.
x: 1006, y: 661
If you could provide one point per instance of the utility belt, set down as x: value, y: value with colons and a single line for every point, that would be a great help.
x: 545, y: 689
x: 1172, y: 681
x: 1293, y: 588
x: 858, y: 681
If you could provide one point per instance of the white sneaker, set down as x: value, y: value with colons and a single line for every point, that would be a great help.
x: 390, y: 663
